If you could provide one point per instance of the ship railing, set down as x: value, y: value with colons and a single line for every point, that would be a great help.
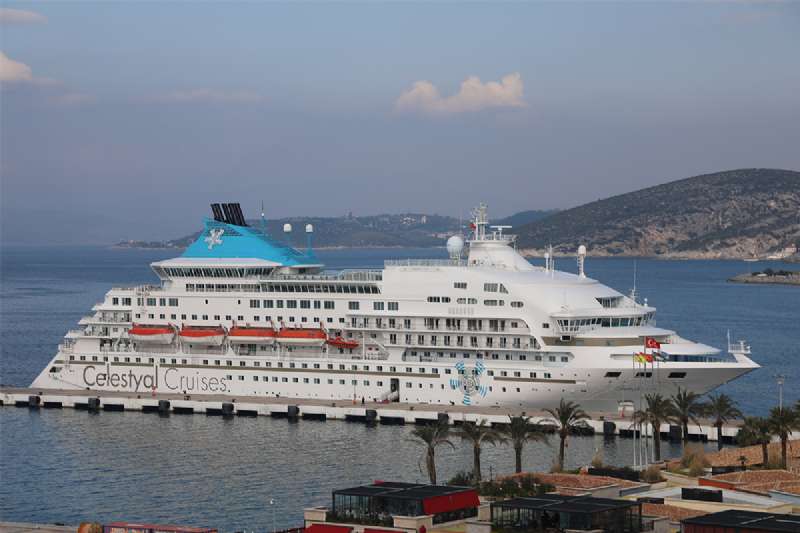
x: 424, y: 262
x: 504, y: 237
x: 66, y: 348
x: 343, y: 275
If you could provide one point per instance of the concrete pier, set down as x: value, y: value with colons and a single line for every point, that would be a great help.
x: 294, y: 409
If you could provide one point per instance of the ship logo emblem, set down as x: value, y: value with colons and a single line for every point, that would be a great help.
x: 214, y: 237
x: 469, y: 381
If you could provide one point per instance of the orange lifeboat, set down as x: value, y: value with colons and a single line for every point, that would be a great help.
x: 155, y: 334
x: 345, y: 344
x: 250, y: 335
x: 302, y: 336
x: 203, y: 335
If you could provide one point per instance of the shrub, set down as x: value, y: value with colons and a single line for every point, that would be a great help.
x: 461, y: 479
x: 697, y: 467
x: 652, y: 474
x: 694, y: 452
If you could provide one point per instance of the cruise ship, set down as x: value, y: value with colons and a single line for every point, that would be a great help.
x: 244, y: 314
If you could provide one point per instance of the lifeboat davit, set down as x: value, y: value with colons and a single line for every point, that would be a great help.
x: 203, y: 335
x: 346, y: 344
x: 250, y: 335
x: 155, y: 334
x: 302, y: 336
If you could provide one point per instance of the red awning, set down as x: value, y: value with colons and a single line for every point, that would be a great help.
x: 451, y: 502
x: 376, y: 530
x: 328, y: 528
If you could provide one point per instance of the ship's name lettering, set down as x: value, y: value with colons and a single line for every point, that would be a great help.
x: 136, y: 382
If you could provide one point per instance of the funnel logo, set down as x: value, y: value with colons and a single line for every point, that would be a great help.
x: 469, y: 381
x: 214, y: 237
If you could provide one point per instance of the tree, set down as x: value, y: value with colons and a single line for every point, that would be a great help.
x: 658, y: 410
x: 432, y: 436
x: 519, y: 432
x: 756, y: 431
x: 687, y: 408
x: 722, y: 409
x: 478, y: 434
x: 783, y: 421
x: 566, y: 415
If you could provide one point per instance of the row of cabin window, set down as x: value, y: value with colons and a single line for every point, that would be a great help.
x: 495, y: 356
x: 152, y: 302
x: 606, y: 322
x: 495, y: 287
x: 192, y: 272
x: 292, y: 304
x: 320, y: 287
x: 239, y: 318
x: 315, y: 366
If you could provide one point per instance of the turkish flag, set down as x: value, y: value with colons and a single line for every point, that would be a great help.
x: 650, y: 342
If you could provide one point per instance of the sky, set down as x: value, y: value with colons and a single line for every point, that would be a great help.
x: 124, y: 120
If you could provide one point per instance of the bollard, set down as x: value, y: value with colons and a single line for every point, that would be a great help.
x: 163, y: 407
x: 93, y: 404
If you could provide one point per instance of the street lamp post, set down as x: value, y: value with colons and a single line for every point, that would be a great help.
x: 780, y: 379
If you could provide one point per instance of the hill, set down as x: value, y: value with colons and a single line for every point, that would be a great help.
x: 403, y: 230
x: 733, y: 214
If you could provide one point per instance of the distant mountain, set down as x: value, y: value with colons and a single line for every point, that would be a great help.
x: 524, y: 217
x: 403, y: 230
x: 733, y: 214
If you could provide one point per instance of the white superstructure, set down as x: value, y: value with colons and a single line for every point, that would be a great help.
x: 240, y: 314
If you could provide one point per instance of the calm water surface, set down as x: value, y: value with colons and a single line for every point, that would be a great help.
x: 69, y: 466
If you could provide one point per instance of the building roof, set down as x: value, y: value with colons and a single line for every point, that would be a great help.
x: 759, y: 481
x: 673, y: 513
x: 569, y: 504
x: 749, y: 520
x: 398, y: 490
x: 579, y: 481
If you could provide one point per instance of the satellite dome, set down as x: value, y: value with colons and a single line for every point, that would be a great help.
x: 455, y: 245
x: 309, y: 228
x: 581, y: 250
x: 287, y: 228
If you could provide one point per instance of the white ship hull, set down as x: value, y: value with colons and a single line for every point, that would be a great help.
x: 491, y: 330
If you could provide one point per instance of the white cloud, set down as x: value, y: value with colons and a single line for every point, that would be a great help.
x: 212, y: 95
x: 12, y: 71
x: 20, y: 16
x: 473, y: 95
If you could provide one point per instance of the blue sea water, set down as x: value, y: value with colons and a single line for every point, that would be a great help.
x: 69, y: 466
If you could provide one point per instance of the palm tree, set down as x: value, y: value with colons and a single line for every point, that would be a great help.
x: 687, y: 408
x: 783, y: 421
x: 478, y: 434
x: 566, y: 415
x: 519, y: 432
x: 432, y: 436
x: 658, y: 411
x: 722, y: 409
x: 756, y: 431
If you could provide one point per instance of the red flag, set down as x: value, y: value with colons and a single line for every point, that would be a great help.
x: 472, y: 226
x: 650, y: 342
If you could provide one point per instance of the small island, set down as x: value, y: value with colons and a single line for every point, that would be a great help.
x: 782, y: 277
